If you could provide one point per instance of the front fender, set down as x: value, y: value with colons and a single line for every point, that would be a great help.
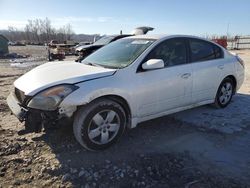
x: 82, y: 97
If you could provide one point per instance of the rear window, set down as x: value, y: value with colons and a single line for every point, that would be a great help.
x: 204, y: 51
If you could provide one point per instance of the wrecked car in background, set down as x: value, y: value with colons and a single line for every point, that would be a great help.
x: 58, y: 51
x: 84, y: 50
x: 128, y: 81
x: 54, y: 52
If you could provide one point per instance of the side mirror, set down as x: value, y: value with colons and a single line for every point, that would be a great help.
x: 153, y: 64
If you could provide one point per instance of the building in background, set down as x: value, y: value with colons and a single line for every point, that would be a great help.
x: 239, y: 42
x: 3, y: 45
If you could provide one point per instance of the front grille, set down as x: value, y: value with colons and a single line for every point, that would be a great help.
x: 19, y: 95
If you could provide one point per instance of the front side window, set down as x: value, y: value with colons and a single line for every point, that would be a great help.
x: 172, y: 52
x: 204, y: 51
x: 119, y: 54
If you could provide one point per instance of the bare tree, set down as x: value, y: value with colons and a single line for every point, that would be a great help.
x: 47, y: 29
x: 68, y: 31
x: 40, y: 31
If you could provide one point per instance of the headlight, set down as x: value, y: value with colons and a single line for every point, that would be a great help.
x: 49, y: 99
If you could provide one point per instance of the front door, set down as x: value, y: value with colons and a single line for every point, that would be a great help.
x: 168, y: 88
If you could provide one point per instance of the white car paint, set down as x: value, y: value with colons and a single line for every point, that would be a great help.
x: 55, y: 73
x: 149, y: 94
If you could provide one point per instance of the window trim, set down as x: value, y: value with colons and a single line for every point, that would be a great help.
x: 186, y: 42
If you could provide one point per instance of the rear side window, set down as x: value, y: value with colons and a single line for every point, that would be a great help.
x: 204, y: 51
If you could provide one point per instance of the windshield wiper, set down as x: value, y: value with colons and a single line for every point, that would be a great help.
x: 88, y: 63
x: 92, y: 64
x: 98, y: 65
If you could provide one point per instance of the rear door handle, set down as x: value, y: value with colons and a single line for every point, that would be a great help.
x: 221, y: 66
x: 186, y: 75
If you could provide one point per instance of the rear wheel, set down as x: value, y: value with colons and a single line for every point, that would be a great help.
x: 99, y: 124
x: 224, y: 93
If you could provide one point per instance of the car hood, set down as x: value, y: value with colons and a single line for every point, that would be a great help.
x: 54, y: 73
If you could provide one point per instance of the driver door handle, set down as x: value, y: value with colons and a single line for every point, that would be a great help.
x: 221, y: 66
x: 186, y: 75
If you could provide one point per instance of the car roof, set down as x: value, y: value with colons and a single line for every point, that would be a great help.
x: 125, y: 35
x: 156, y: 37
x: 163, y: 36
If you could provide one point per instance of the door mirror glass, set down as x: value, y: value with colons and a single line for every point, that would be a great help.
x: 153, y: 64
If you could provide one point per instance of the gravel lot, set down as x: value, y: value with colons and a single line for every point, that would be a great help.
x: 202, y: 147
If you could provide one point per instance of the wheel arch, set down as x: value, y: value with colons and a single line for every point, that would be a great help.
x: 232, y: 77
x: 218, y: 104
x: 120, y: 100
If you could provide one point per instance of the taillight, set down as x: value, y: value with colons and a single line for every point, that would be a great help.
x: 240, y: 61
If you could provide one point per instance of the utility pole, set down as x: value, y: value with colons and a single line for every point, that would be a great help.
x: 228, y: 24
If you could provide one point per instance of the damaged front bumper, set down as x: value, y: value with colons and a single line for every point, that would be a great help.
x: 35, y: 120
x: 16, y: 108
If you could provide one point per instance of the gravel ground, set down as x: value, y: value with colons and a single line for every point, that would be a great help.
x: 35, y: 51
x: 172, y: 151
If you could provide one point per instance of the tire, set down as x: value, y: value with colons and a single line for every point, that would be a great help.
x: 225, y: 93
x: 99, y: 124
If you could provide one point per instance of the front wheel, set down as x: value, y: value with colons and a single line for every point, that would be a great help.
x: 224, y: 93
x: 99, y: 124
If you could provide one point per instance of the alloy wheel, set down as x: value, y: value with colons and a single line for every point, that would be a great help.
x: 103, y: 127
x: 226, y: 93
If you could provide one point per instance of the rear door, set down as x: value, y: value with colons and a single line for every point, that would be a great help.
x: 207, y: 64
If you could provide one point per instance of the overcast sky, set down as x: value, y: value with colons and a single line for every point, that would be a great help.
x: 195, y: 17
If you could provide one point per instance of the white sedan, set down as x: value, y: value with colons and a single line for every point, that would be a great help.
x: 124, y: 83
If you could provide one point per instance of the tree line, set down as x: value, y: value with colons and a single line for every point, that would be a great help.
x: 39, y: 31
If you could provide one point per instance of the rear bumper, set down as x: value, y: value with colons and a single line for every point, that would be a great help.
x: 15, y: 107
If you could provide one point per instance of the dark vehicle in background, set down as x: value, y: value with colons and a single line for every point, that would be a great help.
x: 82, y: 44
x: 85, y: 50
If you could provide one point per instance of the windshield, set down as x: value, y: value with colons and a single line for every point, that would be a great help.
x: 104, y: 40
x: 119, y: 54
